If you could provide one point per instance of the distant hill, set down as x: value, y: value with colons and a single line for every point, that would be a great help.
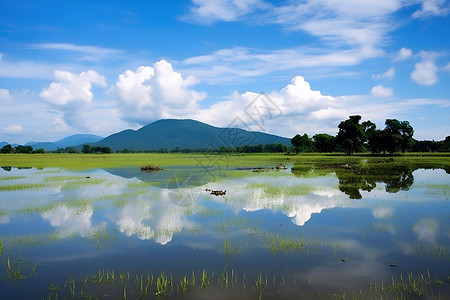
x: 169, y: 133
x: 70, y: 141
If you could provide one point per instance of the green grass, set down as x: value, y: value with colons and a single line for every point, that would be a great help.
x: 89, y: 161
x: 21, y: 187
x: 283, y: 244
x: 228, y: 283
x: 11, y: 178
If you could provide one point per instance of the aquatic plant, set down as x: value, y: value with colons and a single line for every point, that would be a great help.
x: 260, y: 285
x: 279, y: 243
x: 162, y: 284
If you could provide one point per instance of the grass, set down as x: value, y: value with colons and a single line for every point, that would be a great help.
x: 230, y: 283
x: 281, y: 244
x: 21, y: 187
x: 90, y: 161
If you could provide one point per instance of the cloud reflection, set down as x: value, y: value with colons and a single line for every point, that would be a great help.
x: 426, y: 231
x: 71, y: 220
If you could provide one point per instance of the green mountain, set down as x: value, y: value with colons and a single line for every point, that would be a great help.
x: 169, y: 133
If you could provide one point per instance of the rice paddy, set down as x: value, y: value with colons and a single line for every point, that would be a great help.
x: 326, y: 227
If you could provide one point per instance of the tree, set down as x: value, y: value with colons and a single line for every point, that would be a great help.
x: 351, y: 134
x: 324, y: 142
x: 40, y: 151
x: 302, y: 143
x: 407, y: 132
x: 7, y: 149
x: 23, y: 149
x: 393, y: 135
x: 87, y: 149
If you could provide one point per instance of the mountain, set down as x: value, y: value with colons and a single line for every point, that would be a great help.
x: 170, y: 133
x: 70, y: 141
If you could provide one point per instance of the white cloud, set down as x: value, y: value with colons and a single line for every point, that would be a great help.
x: 72, y: 89
x: 90, y: 53
x: 13, y: 129
x: 4, y: 96
x: 151, y: 93
x: 380, y: 91
x: 231, y: 64
x: 430, y: 8
x: 60, y: 125
x: 209, y: 11
x: 389, y: 74
x: 425, y: 73
x: 72, y: 93
x: 363, y: 23
x: 298, y: 108
x: 403, y: 54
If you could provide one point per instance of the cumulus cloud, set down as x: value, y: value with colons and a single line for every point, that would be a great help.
x: 389, y: 74
x: 71, y: 93
x: 296, y: 106
x: 425, y: 73
x: 430, y: 8
x: 72, y: 89
x: 380, y: 91
x: 151, y: 93
x: 403, y: 54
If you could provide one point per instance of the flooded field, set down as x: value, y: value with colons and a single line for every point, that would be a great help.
x: 367, y: 228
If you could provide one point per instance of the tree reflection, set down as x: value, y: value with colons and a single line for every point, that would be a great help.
x: 356, y: 178
x: 353, y: 181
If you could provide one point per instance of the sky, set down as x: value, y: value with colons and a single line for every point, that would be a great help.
x: 281, y: 67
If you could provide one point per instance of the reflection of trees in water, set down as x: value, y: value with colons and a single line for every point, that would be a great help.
x: 353, y: 180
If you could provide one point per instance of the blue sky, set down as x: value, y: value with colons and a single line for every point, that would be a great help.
x: 283, y: 67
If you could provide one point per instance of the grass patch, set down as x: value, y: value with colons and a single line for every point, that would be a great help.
x: 11, y: 178
x: 22, y: 187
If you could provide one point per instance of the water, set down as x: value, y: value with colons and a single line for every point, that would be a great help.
x: 318, y: 232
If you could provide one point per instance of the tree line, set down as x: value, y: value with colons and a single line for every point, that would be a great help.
x: 20, y: 149
x: 354, y: 136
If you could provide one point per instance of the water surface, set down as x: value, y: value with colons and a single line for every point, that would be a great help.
x: 316, y: 231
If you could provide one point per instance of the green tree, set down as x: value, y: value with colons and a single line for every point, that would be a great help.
x: 324, y: 142
x: 407, y: 132
x: 351, y: 134
x: 40, y: 151
x: 394, y: 136
x: 23, y: 149
x: 7, y: 149
x: 302, y: 143
x: 86, y: 149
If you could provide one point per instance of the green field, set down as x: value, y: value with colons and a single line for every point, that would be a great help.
x: 89, y: 161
